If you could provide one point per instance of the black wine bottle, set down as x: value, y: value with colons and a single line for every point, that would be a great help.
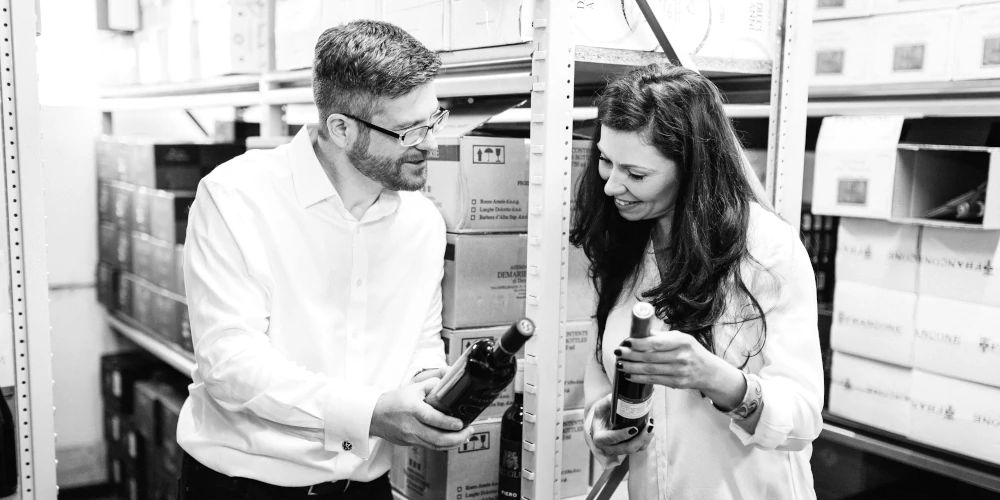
x: 483, y: 371
x: 630, y: 401
x: 510, y: 440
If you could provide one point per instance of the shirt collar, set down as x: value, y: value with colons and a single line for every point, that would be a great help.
x: 313, y: 186
x: 311, y: 183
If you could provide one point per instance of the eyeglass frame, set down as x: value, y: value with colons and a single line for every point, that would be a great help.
x: 442, y: 116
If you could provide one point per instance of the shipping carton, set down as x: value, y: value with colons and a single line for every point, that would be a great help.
x: 140, y: 210
x: 575, y: 456
x: 959, y: 416
x: 977, y: 45
x: 123, y: 302
x: 168, y: 214
x: 142, y: 255
x: 174, y: 166
x: 142, y: 302
x: 480, y: 184
x: 580, y: 337
x: 161, y: 262
x: 105, y: 202
x: 486, y: 23
x: 958, y: 339
x: 232, y: 37
x: 874, y: 323
x: 485, y: 280
x: 426, y: 20
x: 121, y: 199
x: 123, y: 250
x: 958, y: 264
x: 871, y: 392
x: 178, y: 284
x: 107, y: 244
x: 581, y: 300
x: 119, y: 373
x: 878, y: 253
x: 913, y: 47
x: 840, y: 9
x: 897, y: 6
x: 297, y: 27
x: 840, y: 52
x: 470, y: 471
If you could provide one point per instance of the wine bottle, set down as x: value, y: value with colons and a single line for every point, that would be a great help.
x: 510, y: 440
x: 483, y: 371
x: 630, y: 401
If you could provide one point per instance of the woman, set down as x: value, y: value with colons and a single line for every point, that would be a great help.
x: 667, y: 214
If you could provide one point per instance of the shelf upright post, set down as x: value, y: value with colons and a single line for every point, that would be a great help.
x: 271, y: 119
x: 553, y: 63
x: 26, y: 256
x: 789, y: 99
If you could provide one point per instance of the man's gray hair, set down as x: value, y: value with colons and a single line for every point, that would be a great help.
x: 360, y: 63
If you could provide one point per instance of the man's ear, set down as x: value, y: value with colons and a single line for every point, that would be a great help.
x: 338, y: 129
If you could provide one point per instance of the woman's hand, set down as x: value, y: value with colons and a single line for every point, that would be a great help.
x: 617, y: 442
x: 675, y: 359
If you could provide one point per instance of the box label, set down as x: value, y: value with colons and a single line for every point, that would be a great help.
x: 829, y: 4
x: 852, y: 191
x: 830, y: 62
x: 489, y: 154
x: 908, y: 57
x: 478, y: 442
x: 991, y: 52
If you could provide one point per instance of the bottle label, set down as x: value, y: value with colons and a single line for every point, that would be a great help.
x: 633, y: 409
x: 116, y: 384
x: 510, y: 468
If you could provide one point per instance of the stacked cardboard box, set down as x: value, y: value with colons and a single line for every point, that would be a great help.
x: 144, y: 191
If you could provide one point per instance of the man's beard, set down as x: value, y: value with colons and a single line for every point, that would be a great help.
x: 384, y: 170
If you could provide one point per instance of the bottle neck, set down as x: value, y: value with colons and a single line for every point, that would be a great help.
x: 519, y: 397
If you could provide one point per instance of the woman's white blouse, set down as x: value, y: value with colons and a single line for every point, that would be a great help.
x: 697, y: 451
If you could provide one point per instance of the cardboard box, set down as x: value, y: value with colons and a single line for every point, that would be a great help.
x: 297, y: 26
x: 874, y: 323
x: 168, y: 214
x: 581, y: 299
x: 232, y: 36
x: 162, y: 265
x: 105, y: 202
x: 913, y: 47
x: 118, y: 15
x: 977, y: 45
x: 487, y: 23
x: 121, y: 198
x: 426, y: 20
x: 151, y: 54
x: 140, y: 210
x: 123, y: 250
x: 579, y: 350
x: 470, y: 471
x: 123, y: 302
x: 840, y: 52
x: 170, y: 318
x: 114, y: 434
x: 171, y: 402
x: 575, y: 456
x: 485, y: 280
x: 145, y: 413
x: 142, y: 255
x: 135, y: 447
x: 107, y: 284
x: 896, y: 6
x: 704, y: 32
x: 175, y: 166
x: 958, y: 339
x: 878, y: 253
x: 855, y: 166
x: 142, y: 302
x: 457, y: 341
x: 871, y: 392
x: 178, y: 284
x: 840, y: 9
x: 107, y: 244
x: 958, y: 264
x: 959, y: 416
x: 480, y: 184
x: 119, y: 373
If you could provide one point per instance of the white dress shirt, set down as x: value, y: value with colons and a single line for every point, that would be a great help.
x: 302, y: 316
x: 697, y: 451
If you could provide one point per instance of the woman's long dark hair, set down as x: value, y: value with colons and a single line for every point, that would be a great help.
x: 681, y: 114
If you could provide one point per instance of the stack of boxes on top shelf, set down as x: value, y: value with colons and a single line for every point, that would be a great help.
x: 144, y: 192
x: 917, y: 302
x: 142, y: 401
x: 861, y: 42
x: 480, y: 185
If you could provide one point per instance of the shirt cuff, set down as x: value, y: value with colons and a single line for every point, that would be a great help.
x: 606, y: 461
x: 348, y: 419
x: 775, y: 419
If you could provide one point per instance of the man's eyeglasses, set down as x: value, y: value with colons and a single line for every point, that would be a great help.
x: 413, y: 135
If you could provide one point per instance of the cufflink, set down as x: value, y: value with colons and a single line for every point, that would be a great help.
x: 347, y: 446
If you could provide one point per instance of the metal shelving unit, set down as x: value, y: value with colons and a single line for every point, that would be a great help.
x: 170, y: 354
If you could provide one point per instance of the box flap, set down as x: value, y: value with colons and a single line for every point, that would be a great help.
x: 463, y: 121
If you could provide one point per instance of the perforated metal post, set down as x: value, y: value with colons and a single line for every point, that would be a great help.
x: 24, y: 195
x: 789, y: 98
x: 548, y: 227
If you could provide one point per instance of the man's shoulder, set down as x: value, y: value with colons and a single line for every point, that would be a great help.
x: 251, y: 171
x: 415, y: 205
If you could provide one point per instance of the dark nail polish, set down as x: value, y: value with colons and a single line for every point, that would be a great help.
x: 619, y: 365
x: 650, y: 422
x: 628, y: 377
x: 627, y: 343
x: 633, y: 431
x: 649, y: 429
x: 618, y: 352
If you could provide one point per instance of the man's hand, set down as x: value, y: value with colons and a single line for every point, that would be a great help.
x: 402, y: 417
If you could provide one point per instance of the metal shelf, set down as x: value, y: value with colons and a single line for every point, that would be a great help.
x: 926, y: 89
x: 182, y: 361
x: 222, y: 84
x: 899, y: 449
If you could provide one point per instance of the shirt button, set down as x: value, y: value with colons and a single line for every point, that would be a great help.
x: 347, y: 446
x: 359, y: 282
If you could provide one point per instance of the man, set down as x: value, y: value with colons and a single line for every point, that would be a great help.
x: 313, y: 277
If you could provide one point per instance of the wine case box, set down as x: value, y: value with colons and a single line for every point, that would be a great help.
x: 874, y: 323
x: 170, y: 319
x: 840, y: 52
x: 840, y: 9
x: 977, y: 46
x: 107, y: 286
x: 140, y: 209
x: 168, y: 214
x: 912, y: 47
x: 898, y: 6
x: 581, y: 300
x: 175, y: 166
x: 105, y: 201
x: 470, y: 471
x: 121, y: 201
x: 956, y: 415
x: 871, y: 392
x: 485, y: 280
x: 487, y: 23
x: 123, y: 297
x: 958, y: 264
x: 170, y: 405
x: 473, y: 470
x: 145, y: 413
x: 958, y: 339
x: 135, y: 447
x: 878, y: 253
x: 107, y: 244
x: 119, y: 373
x: 480, y: 184
x: 142, y: 302
x: 114, y: 429
x: 426, y: 20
